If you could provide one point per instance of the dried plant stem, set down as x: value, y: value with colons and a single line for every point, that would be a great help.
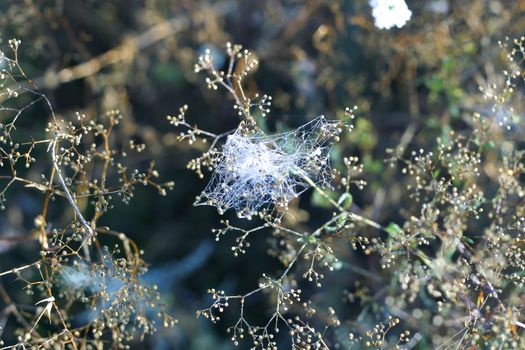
x: 353, y: 216
x: 71, y: 200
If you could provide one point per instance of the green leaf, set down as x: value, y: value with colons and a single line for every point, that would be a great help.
x: 319, y: 200
x: 345, y: 200
x: 468, y: 240
x: 169, y: 73
x: 341, y: 221
x: 394, y: 229
x: 312, y: 239
x: 373, y: 165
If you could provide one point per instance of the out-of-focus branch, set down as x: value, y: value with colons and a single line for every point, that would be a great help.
x: 124, y: 52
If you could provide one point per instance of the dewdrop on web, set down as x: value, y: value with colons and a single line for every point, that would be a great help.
x: 390, y: 13
x: 259, y: 174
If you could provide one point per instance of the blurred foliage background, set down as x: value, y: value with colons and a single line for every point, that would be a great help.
x: 316, y: 57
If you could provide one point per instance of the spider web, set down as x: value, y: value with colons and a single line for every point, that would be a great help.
x: 257, y: 173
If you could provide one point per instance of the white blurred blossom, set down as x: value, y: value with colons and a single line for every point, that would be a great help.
x: 390, y: 13
x: 438, y: 6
